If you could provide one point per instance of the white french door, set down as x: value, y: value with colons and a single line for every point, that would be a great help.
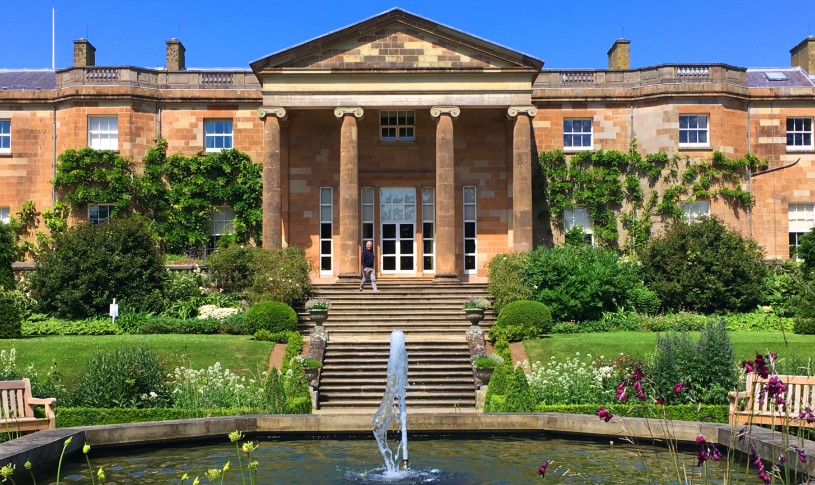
x: 397, y: 215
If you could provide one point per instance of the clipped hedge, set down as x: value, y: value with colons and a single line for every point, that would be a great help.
x: 10, y: 316
x: 507, y: 279
x: 188, y: 326
x: 273, y: 316
x: 53, y: 326
x: 69, y: 417
x: 710, y: 413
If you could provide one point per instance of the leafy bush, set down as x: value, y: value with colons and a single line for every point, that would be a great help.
x: 709, y: 413
x: 806, y: 250
x: 706, y: 368
x: 758, y: 321
x: 8, y: 254
x: 273, y: 316
x: 643, y: 300
x: 232, y: 268
x: 497, y: 387
x: 10, y: 318
x: 804, y: 326
x: 581, y: 282
x: 501, y: 346
x: 519, y: 398
x: 168, y: 325
x: 234, y: 325
x: 487, y: 362
x: 705, y: 267
x: 573, y: 381
x: 93, y: 263
x: 69, y: 417
x: 675, y: 322
x: 183, y: 285
x: 521, y: 320
x: 507, y: 279
x: 129, y: 377
x: 54, y: 326
x: 282, y: 275
x: 294, y: 347
x: 567, y: 328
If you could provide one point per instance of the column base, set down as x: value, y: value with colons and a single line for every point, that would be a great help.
x: 446, y: 278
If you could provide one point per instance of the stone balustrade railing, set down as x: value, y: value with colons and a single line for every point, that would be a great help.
x: 155, y: 78
x: 646, y: 76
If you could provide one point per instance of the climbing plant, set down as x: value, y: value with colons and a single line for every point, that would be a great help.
x: 636, y: 188
x: 175, y: 195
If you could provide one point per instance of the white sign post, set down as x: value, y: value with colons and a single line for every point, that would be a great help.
x: 114, y: 310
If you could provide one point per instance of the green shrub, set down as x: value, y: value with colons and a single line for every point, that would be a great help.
x: 69, y: 417
x: 188, y: 326
x: 129, y: 377
x: 90, y: 326
x: 581, y: 282
x: 519, y: 397
x: 11, y: 320
x: 130, y: 321
x: 273, y: 316
x: 523, y: 319
x: 183, y: 285
x: 705, y: 267
x: 501, y: 346
x: 298, y: 394
x: 91, y: 264
x: 643, y: 300
x: 804, y: 326
x: 706, y: 368
x: 567, y: 328
x: 497, y: 388
x: 806, y: 250
x: 621, y: 321
x: 758, y: 321
x: 234, y: 325
x: 675, y: 322
x: 8, y: 254
x: 507, y: 279
x: 282, y: 275
x: 232, y: 268
x: 294, y: 347
x: 709, y: 413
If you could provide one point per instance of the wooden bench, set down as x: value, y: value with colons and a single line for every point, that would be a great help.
x: 17, y: 408
x: 800, y: 395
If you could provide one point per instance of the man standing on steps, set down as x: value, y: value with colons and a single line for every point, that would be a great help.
x: 368, y: 272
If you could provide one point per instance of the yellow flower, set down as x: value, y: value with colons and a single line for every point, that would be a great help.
x: 7, y: 471
x: 195, y: 482
x: 235, y: 436
x: 249, y: 447
x: 253, y: 465
x: 100, y: 474
x: 184, y: 477
x: 226, y: 467
x: 27, y: 465
x: 68, y: 441
x: 86, y: 448
x: 213, y: 474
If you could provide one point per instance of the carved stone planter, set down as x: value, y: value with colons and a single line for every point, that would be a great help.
x: 474, y: 315
x: 318, y: 316
x: 483, y: 375
x: 311, y: 374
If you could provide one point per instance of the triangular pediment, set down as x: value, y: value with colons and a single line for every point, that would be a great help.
x: 397, y: 40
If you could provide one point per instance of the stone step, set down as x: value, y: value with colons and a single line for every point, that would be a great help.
x: 424, y: 379
x: 426, y: 403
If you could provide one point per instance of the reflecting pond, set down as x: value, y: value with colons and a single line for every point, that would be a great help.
x: 440, y: 460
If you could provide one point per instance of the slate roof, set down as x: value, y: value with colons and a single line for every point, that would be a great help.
x: 27, y: 79
x: 796, y: 77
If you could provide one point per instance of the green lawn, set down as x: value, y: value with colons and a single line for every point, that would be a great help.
x: 236, y: 352
x: 642, y: 344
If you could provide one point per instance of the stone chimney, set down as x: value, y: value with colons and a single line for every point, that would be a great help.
x: 84, y: 53
x: 175, y: 55
x: 803, y: 55
x: 619, y: 56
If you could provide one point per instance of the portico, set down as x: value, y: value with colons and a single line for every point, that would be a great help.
x: 401, y: 131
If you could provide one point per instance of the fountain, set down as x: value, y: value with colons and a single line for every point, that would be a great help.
x: 393, y: 405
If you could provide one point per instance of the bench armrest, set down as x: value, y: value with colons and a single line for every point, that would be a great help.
x: 48, y: 402
x: 734, y: 396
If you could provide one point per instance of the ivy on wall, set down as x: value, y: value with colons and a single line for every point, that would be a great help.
x: 636, y: 188
x: 176, y: 194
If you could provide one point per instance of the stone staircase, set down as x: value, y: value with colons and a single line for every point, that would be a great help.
x: 359, y: 327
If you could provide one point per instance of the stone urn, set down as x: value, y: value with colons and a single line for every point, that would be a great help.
x: 474, y: 315
x: 318, y: 316
x: 311, y: 374
x: 483, y: 375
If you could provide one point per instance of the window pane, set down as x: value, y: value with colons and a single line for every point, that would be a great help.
x: 367, y: 212
x: 427, y: 230
x: 325, y: 230
x: 389, y: 263
x: 586, y: 126
x: 469, y: 195
x: 469, y: 262
x: 325, y: 213
x: 406, y: 231
x: 469, y: 212
x: 702, y: 137
x: 469, y: 246
x: 427, y: 262
x: 428, y: 195
x: 567, y: 140
x: 367, y: 195
x: 469, y: 229
x: 389, y: 247
x: 427, y: 247
x: 406, y: 262
x: 368, y: 231
x: 389, y: 231
x: 325, y: 263
x: 325, y: 247
x: 406, y: 247
x: 567, y: 126
x: 325, y: 195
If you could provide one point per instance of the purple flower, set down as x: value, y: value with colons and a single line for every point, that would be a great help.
x: 660, y: 400
x: 782, y: 458
x: 802, y: 457
x: 700, y: 440
x: 621, y: 387
x: 603, y: 414
x: 542, y: 469
x: 679, y: 387
x: 715, y: 453
x: 807, y: 414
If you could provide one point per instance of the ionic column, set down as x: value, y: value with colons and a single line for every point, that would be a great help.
x: 445, y: 193
x: 522, y: 177
x: 272, y: 235
x: 349, y: 265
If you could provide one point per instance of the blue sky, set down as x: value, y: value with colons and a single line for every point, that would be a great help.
x: 564, y: 34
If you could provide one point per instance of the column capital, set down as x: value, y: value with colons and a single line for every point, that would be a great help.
x: 341, y: 111
x: 278, y: 111
x: 437, y: 111
x: 513, y: 111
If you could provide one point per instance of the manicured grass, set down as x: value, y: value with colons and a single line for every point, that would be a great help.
x: 642, y: 344
x: 238, y: 353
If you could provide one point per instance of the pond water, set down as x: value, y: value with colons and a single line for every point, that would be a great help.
x: 433, y: 460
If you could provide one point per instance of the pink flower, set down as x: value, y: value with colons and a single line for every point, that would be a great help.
x: 542, y: 469
x: 679, y: 387
x: 603, y: 414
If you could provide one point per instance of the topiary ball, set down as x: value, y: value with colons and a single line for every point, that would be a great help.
x: 273, y: 316
x: 524, y: 319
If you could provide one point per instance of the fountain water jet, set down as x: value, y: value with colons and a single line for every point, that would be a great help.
x: 394, y: 396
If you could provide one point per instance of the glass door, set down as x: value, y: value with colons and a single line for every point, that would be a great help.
x: 397, y: 213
